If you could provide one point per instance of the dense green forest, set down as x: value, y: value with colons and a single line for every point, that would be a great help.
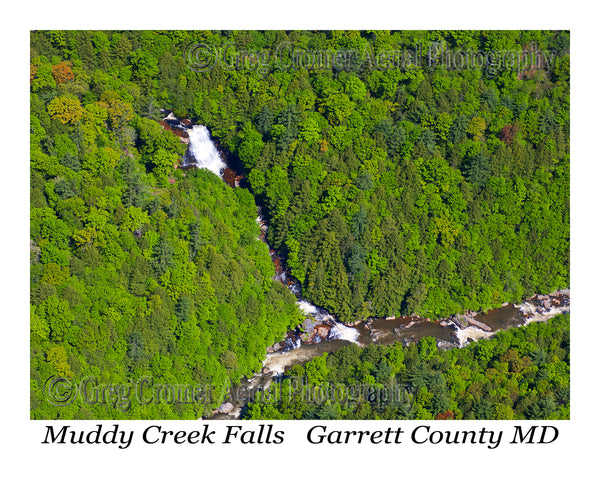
x: 521, y: 373
x: 423, y: 190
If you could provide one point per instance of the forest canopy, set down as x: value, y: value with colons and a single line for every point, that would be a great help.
x: 420, y: 189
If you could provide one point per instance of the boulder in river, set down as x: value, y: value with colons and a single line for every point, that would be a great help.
x: 459, y: 320
x: 547, y: 303
x: 274, y: 348
x: 480, y: 325
x: 322, y: 330
x: 227, y: 407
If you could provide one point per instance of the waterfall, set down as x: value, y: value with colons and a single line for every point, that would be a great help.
x: 203, y: 150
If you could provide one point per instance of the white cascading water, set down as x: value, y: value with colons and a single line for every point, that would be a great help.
x: 339, y: 331
x: 471, y: 333
x: 537, y: 314
x: 204, y: 151
x: 307, y: 308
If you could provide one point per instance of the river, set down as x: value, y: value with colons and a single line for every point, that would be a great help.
x: 321, y: 332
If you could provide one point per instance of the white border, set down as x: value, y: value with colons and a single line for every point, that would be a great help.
x: 23, y: 454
